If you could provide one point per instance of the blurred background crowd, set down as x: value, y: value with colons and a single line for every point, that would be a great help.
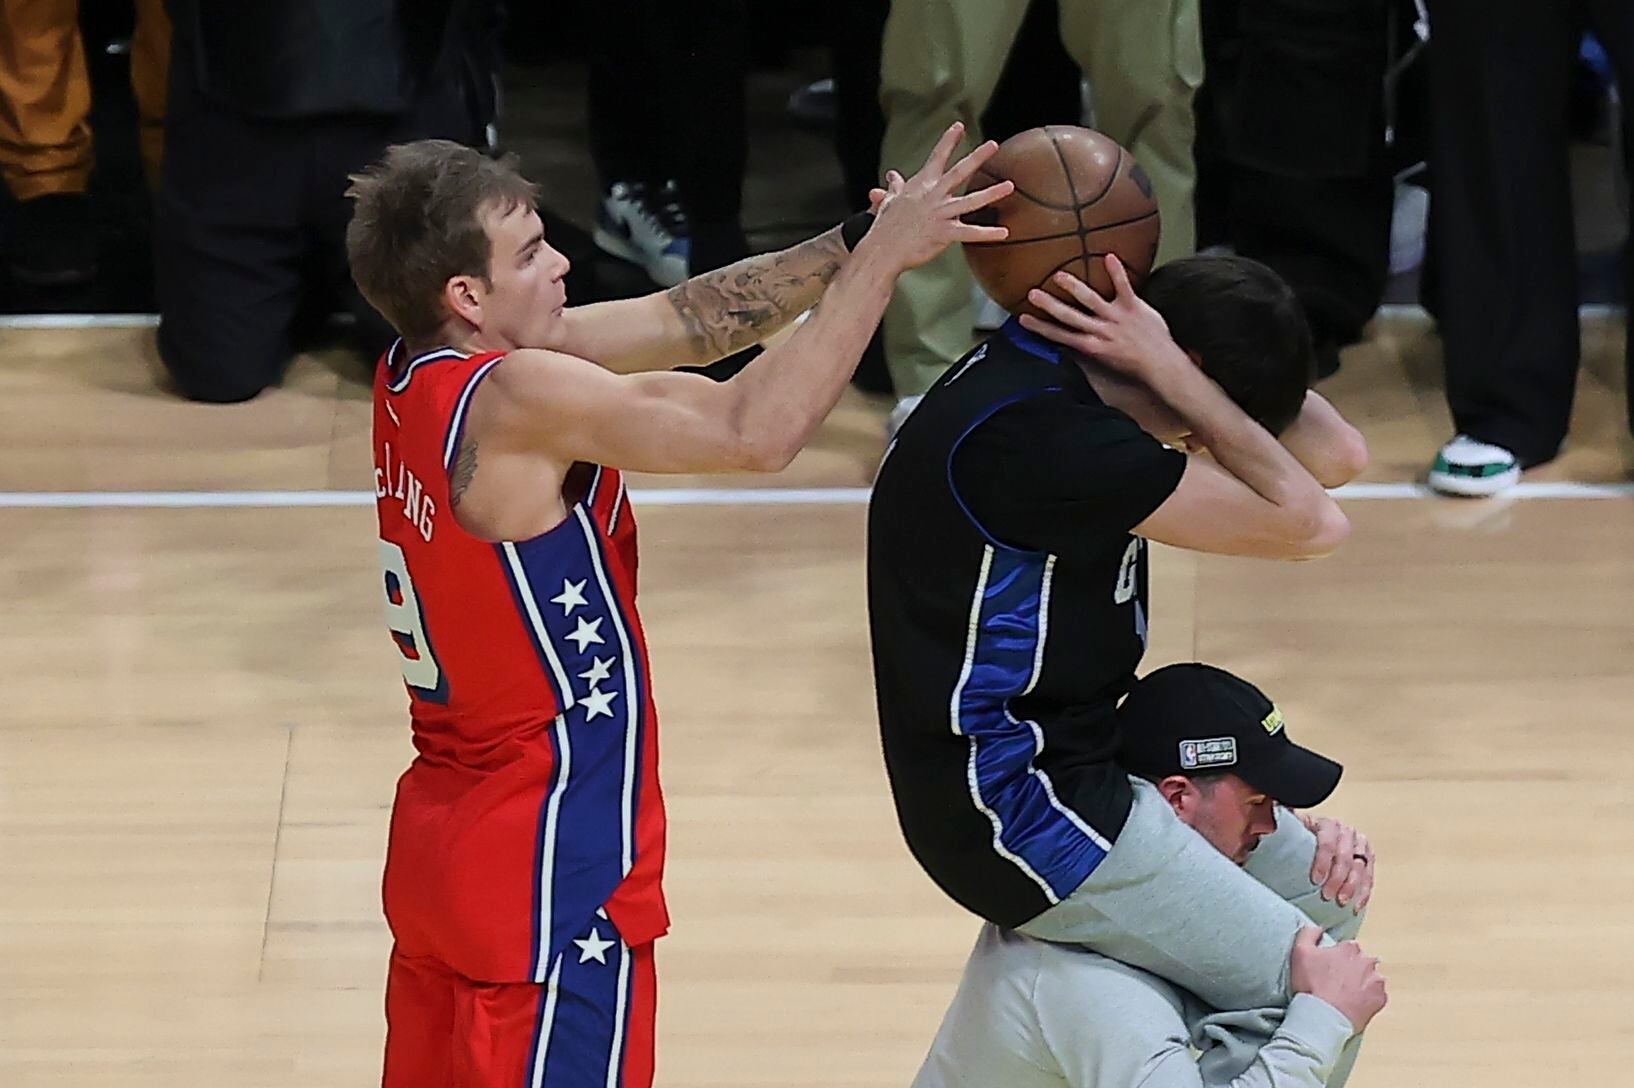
x: 189, y: 158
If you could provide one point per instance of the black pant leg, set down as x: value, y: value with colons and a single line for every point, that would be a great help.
x: 1613, y: 23
x: 856, y: 29
x: 623, y: 93
x: 705, y: 48
x: 1294, y: 148
x: 701, y: 51
x: 228, y: 245
x: 1040, y: 82
x: 1501, y: 218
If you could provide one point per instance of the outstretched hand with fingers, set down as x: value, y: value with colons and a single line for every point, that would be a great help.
x: 918, y: 217
x: 1123, y: 331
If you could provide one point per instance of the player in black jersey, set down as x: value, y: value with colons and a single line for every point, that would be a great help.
x: 1007, y: 599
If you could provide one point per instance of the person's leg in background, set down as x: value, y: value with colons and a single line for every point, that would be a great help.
x: 941, y: 60
x: 229, y: 244
x: 1292, y: 146
x: 855, y: 28
x: 46, y: 151
x: 639, y: 218
x: 1144, y: 62
x: 149, y: 73
x: 1501, y: 220
x: 1040, y: 84
x: 1613, y: 24
x: 705, y: 143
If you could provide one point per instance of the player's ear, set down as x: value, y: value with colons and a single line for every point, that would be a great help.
x: 463, y: 297
x: 1176, y: 790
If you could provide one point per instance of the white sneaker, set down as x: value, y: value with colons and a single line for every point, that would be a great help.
x: 990, y: 316
x: 899, y: 415
x: 1467, y: 467
x: 645, y: 228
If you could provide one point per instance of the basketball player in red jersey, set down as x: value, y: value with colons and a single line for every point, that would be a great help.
x: 527, y: 841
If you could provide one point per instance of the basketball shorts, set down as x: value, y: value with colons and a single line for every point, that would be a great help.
x: 590, y: 1026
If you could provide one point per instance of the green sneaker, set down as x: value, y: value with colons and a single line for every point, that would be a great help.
x: 1467, y: 467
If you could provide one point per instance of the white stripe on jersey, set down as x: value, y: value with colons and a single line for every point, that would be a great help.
x: 618, y: 505
x: 1043, y: 625
x: 530, y: 604
x: 971, y: 639
x: 547, y: 1020
x: 547, y: 850
x: 632, y: 699
x: 615, y: 1059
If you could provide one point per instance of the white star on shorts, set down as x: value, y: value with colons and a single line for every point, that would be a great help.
x: 571, y: 596
x: 598, y: 702
x: 587, y: 632
x: 593, y: 947
x: 601, y: 670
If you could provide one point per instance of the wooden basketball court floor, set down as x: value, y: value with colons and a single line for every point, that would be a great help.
x: 202, y: 724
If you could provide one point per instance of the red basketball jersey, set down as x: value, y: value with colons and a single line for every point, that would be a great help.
x: 534, y: 801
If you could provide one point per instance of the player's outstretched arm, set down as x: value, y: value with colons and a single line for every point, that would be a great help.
x: 709, y: 316
x: 1325, y: 443
x: 565, y: 408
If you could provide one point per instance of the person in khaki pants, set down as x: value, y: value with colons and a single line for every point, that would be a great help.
x: 46, y: 150
x: 941, y: 61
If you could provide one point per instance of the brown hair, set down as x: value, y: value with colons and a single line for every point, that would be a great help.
x: 417, y: 222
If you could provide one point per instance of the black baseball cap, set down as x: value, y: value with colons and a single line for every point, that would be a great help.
x: 1197, y: 719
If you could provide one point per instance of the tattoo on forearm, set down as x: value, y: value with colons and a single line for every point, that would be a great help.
x: 742, y: 303
x: 465, y: 470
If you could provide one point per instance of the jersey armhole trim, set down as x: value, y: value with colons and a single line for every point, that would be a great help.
x: 953, y: 453
x: 456, y: 422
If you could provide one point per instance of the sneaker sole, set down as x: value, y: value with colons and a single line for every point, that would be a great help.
x: 618, y: 247
x: 1473, y: 487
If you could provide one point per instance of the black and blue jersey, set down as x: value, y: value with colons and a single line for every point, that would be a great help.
x: 1007, y: 605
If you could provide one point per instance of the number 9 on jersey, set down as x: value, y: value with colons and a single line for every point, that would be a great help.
x: 407, y: 624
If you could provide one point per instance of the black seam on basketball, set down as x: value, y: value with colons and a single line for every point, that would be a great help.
x: 1062, y: 267
x: 1111, y: 179
x: 1072, y: 188
x: 1119, y: 223
x: 1019, y: 191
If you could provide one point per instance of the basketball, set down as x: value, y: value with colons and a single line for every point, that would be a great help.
x: 1078, y: 196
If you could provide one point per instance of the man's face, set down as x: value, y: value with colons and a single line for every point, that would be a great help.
x: 1232, y: 815
x: 524, y: 304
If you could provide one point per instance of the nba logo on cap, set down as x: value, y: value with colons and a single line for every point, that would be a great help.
x: 1210, y: 752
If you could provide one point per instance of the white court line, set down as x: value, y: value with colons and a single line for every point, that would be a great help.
x: 79, y: 321
x: 1595, y: 310
x: 815, y: 496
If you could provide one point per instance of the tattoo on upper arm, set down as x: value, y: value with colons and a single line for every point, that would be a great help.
x: 734, y: 307
x: 465, y: 470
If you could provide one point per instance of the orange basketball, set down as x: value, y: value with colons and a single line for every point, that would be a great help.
x: 1078, y: 196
